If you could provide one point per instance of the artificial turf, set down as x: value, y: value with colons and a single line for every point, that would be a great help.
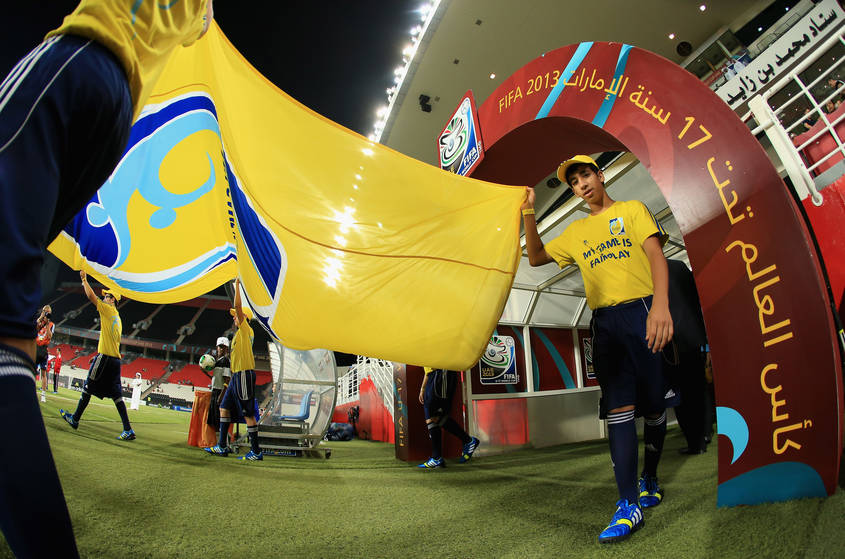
x: 158, y: 497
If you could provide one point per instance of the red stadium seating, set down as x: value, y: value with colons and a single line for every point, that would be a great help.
x: 190, y: 374
x: 150, y: 369
x: 69, y: 352
x: 83, y: 361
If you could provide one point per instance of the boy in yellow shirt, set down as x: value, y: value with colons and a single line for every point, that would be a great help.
x: 240, y: 394
x: 618, y: 249
x: 104, y: 374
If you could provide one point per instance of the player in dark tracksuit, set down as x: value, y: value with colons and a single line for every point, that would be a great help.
x: 436, y: 392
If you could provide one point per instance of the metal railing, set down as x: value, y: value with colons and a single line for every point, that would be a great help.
x: 804, y: 174
x: 377, y: 370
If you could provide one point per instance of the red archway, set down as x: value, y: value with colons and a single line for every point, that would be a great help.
x: 772, y: 337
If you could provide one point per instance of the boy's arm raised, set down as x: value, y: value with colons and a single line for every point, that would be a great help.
x: 537, y: 255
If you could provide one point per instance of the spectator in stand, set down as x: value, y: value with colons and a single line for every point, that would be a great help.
x: 810, y: 120
x: 45, y: 328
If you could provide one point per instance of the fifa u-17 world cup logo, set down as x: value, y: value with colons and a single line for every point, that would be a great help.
x: 498, y: 363
x: 455, y: 138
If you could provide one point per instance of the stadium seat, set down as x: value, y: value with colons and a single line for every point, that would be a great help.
x: 304, y: 409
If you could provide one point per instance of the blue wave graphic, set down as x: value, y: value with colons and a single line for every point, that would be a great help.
x: 607, y: 105
x: 202, y: 268
x: 101, y: 229
x: 774, y: 482
x: 258, y: 239
x: 731, y: 424
x: 559, y: 362
x: 571, y: 66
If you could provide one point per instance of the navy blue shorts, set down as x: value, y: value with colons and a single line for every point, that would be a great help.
x: 104, y: 378
x: 627, y: 371
x: 65, y: 115
x: 41, y: 356
x: 240, y: 395
x: 439, y: 390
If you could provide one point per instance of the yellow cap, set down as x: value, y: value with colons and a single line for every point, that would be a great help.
x: 114, y: 294
x: 561, y: 170
x: 246, y: 310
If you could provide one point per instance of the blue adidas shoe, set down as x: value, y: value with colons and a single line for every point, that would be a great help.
x: 627, y: 519
x: 433, y: 463
x: 217, y: 450
x: 67, y: 416
x: 127, y: 435
x: 651, y: 494
x: 252, y: 456
x: 469, y: 448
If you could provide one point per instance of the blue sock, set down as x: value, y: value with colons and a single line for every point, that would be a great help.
x: 124, y: 416
x: 454, y: 428
x: 252, y: 434
x: 622, y: 434
x: 29, y: 488
x: 224, y: 432
x: 80, y: 407
x: 654, y: 432
x: 435, y: 433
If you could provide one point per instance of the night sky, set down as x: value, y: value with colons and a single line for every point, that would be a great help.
x: 335, y: 56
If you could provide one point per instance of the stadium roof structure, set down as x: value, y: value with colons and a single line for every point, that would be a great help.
x: 476, y: 44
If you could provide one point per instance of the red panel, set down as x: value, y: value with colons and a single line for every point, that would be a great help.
x: 340, y: 413
x: 503, y: 422
x: 827, y: 221
x: 412, y: 441
x: 550, y: 374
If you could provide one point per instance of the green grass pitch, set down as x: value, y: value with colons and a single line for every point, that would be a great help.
x: 161, y: 498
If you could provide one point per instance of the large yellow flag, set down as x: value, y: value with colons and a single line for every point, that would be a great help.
x: 340, y: 243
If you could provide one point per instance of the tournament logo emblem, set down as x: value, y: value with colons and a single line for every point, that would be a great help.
x: 617, y: 226
x: 498, y: 362
x: 459, y: 142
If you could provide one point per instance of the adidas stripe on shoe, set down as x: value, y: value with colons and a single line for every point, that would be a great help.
x: 627, y: 519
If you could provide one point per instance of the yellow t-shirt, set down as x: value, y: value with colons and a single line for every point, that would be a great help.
x: 140, y: 33
x: 242, y: 357
x: 110, y: 330
x: 608, y: 249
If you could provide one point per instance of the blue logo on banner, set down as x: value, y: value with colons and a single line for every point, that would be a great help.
x: 101, y: 229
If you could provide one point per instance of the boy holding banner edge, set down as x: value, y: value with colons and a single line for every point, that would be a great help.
x: 618, y: 249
